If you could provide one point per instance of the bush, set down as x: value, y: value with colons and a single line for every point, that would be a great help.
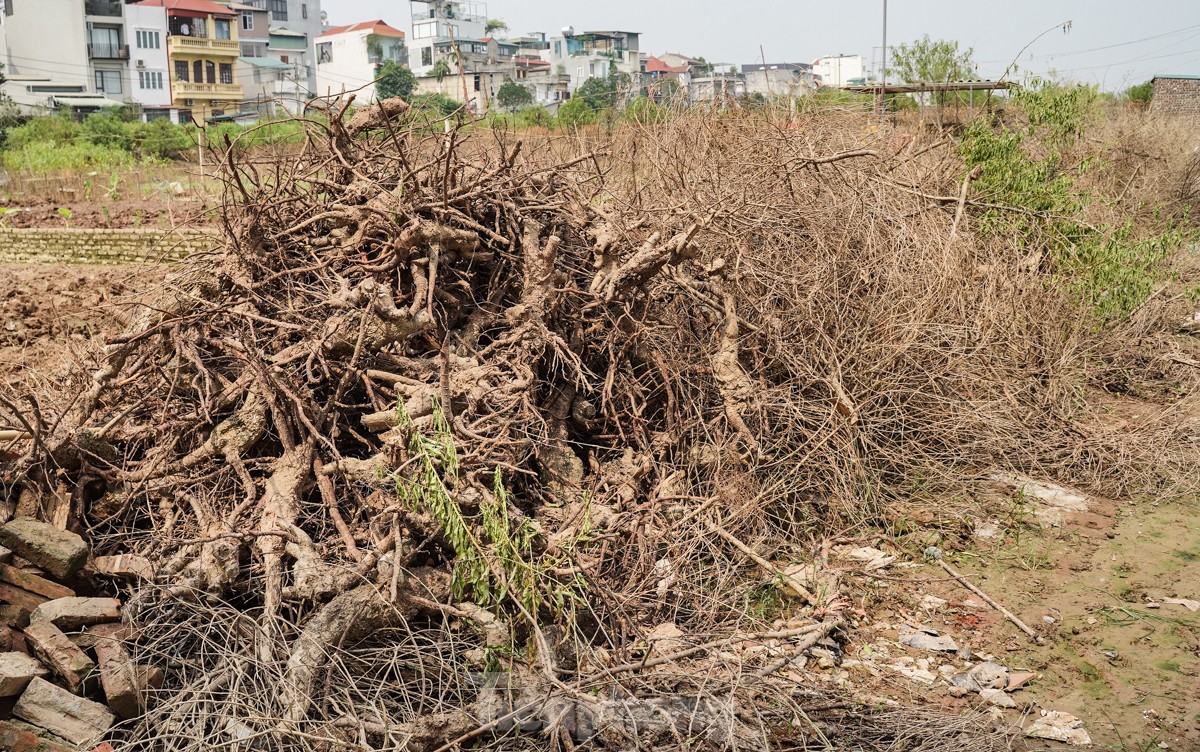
x: 513, y: 95
x: 47, y: 156
x: 644, y: 111
x: 435, y: 104
x: 575, y: 112
x: 535, y: 117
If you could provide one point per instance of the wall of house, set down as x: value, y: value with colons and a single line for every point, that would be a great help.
x: 48, y: 38
x: 839, y: 69
x: 778, y: 82
x: 350, y: 69
x: 78, y: 246
x: 1177, y: 96
x: 144, y: 89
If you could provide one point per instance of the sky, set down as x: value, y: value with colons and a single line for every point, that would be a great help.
x: 1113, y: 43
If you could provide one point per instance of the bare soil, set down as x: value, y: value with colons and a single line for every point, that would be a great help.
x: 153, y: 212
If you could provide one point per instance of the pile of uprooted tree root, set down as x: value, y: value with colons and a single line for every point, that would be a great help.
x: 450, y: 422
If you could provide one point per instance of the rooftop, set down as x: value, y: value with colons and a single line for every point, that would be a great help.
x: 378, y: 26
x: 194, y: 7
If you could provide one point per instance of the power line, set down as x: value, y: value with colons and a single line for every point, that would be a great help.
x: 1118, y: 44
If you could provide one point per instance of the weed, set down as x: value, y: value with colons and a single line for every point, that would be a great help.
x: 66, y: 215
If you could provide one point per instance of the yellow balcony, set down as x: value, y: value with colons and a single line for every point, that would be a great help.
x: 189, y: 90
x: 177, y: 45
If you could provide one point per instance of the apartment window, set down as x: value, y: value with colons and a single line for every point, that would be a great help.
x: 426, y: 56
x: 108, y: 81
x: 558, y: 49
x: 198, y: 71
x: 248, y: 20
x: 226, y: 73
x: 181, y: 70
x: 325, y: 52
x: 182, y: 26
x: 254, y: 49
x: 278, y: 9
x: 222, y: 28
x: 210, y: 71
x: 148, y: 40
x: 304, y: 10
x: 8, y: 7
x: 150, y: 80
x: 185, y: 117
x: 105, y: 42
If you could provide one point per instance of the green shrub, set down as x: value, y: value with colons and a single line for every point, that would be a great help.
x: 575, y: 112
x: 438, y: 105
x: 644, y: 111
x: 47, y: 156
x: 535, y: 117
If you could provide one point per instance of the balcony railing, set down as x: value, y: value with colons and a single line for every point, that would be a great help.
x: 203, y: 44
x: 102, y: 8
x: 108, y: 51
x: 190, y: 90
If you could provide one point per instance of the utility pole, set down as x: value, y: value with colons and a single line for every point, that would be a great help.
x: 883, y: 73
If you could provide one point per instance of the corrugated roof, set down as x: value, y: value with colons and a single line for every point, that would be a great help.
x: 375, y: 27
x: 655, y: 65
x: 264, y: 62
x: 279, y: 31
x: 190, y: 6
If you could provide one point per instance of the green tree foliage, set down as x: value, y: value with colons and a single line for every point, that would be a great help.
x: 440, y: 69
x: 597, y: 93
x: 934, y: 61
x: 576, y: 112
x: 394, y: 80
x: 535, y: 117
x: 702, y: 67
x: 438, y: 105
x: 493, y: 25
x: 644, y: 111
x: 1139, y: 93
x: 513, y: 95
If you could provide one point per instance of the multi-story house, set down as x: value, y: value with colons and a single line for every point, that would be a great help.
x: 441, y: 26
x: 202, y: 48
x: 592, y: 54
x: 840, y: 70
x: 349, y: 57
x: 261, y: 75
x: 295, y: 20
x: 77, y: 54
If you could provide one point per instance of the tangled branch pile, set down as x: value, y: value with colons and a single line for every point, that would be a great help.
x: 445, y: 404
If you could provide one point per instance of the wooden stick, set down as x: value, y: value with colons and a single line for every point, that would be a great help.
x: 792, y: 583
x: 991, y: 602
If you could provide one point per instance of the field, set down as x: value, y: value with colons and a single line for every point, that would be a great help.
x: 690, y: 431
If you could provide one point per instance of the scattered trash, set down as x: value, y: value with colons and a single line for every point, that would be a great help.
x: 1018, y: 680
x: 874, y: 558
x: 1052, y: 500
x: 1190, y: 605
x: 1059, y: 727
x: 927, y: 639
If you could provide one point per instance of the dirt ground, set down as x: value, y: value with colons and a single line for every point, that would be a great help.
x: 1091, y: 582
x: 92, y: 214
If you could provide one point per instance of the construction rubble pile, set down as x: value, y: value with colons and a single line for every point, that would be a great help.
x: 65, y: 675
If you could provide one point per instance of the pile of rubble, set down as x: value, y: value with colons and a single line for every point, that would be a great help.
x: 66, y: 677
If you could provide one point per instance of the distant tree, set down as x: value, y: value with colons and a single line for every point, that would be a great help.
x: 597, y: 94
x: 932, y: 60
x: 493, y: 25
x: 576, y: 112
x: 702, y: 67
x: 440, y: 69
x: 1139, y: 93
x: 394, y: 80
x: 512, y: 95
x: 435, y: 104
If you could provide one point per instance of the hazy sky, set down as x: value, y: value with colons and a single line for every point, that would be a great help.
x: 1114, y: 43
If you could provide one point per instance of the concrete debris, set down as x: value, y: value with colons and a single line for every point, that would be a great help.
x: 927, y: 639
x: 59, y: 552
x: 1059, y: 727
x: 998, y: 697
x: 70, y: 614
x: 874, y: 558
x: 76, y: 719
x: 1018, y: 680
x: 125, y: 565
x: 16, y: 671
x: 1190, y: 325
x: 1051, y: 500
x: 666, y: 639
x: 1190, y: 605
x: 932, y: 602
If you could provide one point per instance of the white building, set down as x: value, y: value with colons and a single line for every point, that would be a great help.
x: 349, y: 57
x: 840, y: 70
x: 591, y: 54
x: 301, y: 17
x: 85, y: 54
x: 149, y: 72
x: 438, y: 26
x: 779, y: 79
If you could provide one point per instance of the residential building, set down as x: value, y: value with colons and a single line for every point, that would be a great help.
x: 149, y: 62
x: 720, y: 88
x: 441, y: 26
x: 289, y: 18
x: 779, y: 79
x: 664, y: 81
x: 202, y: 48
x: 591, y: 54
x: 840, y: 70
x: 1177, y: 95
x: 349, y: 57
x: 65, y: 49
x: 295, y: 51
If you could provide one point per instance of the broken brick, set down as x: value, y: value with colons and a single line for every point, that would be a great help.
x: 76, y: 719
x: 21, y: 598
x: 70, y: 614
x: 13, y: 738
x: 59, y: 552
x: 54, y: 649
x: 118, y: 678
x: 33, y: 583
x: 16, y: 671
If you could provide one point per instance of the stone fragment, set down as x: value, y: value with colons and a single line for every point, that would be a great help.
x: 923, y: 639
x: 998, y: 697
x: 55, y: 650
x: 111, y: 631
x: 125, y: 565
x: 16, y: 670
x: 13, y: 616
x: 76, y: 719
x: 118, y: 678
x: 5, y: 555
x: 70, y: 614
x: 21, y: 598
x: 1018, y: 679
x: 1059, y: 727
x: 59, y: 552
x: 34, y: 584
x: 12, y: 641
x: 666, y: 639
x: 150, y: 678
x: 13, y: 738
